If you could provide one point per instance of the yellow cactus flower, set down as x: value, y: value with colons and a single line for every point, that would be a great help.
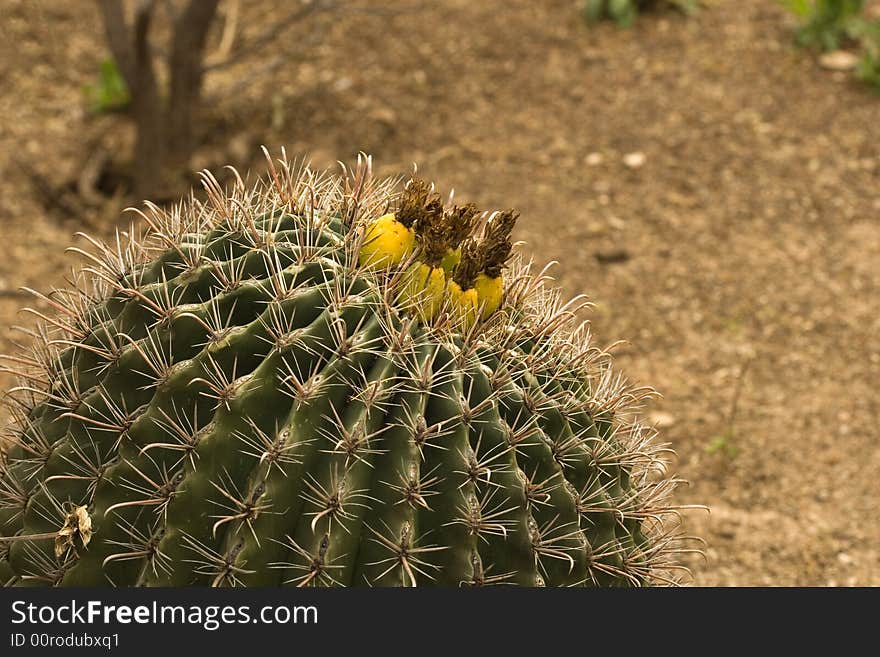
x: 387, y: 243
x: 464, y: 304
x: 489, y: 293
x: 423, y: 288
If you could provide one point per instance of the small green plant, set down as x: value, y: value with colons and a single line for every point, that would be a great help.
x: 831, y: 24
x: 624, y: 12
x: 868, y: 69
x: 723, y: 444
x: 109, y: 93
x: 826, y: 24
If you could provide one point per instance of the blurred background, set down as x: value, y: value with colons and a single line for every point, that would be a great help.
x: 708, y: 172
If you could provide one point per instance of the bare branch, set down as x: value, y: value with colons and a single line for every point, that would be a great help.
x: 246, y: 81
x: 257, y: 74
x: 274, y: 31
x: 230, y: 27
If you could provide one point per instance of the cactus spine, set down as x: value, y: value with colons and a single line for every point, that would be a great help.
x: 321, y: 381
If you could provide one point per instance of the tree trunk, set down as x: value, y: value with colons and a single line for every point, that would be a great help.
x: 186, y: 74
x: 151, y: 147
x: 148, y: 170
x: 164, y: 122
x: 131, y: 50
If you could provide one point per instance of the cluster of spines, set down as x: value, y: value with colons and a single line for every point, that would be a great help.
x: 432, y: 456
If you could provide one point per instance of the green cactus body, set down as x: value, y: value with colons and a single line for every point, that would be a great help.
x: 232, y: 400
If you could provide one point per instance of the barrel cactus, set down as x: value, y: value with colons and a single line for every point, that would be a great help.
x: 324, y: 380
